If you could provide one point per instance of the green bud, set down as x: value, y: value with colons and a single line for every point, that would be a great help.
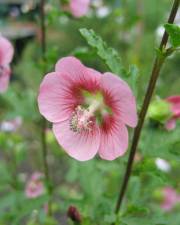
x: 159, y: 110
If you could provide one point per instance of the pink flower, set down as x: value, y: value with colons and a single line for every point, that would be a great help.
x: 35, y: 186
x: 175, y: 109
x: 89, y: 110
x: 171, y: 198
x: 79, y: 8
x: 6, y: 54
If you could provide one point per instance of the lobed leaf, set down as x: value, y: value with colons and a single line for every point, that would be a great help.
x: 108, y: 54
x: 174, y: 33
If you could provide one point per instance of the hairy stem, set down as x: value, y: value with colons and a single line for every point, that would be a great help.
x: 44, y: 122
x: 159, y: 60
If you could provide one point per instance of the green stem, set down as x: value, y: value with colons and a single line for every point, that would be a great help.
x: 151, y: 86
x: 44, y: 122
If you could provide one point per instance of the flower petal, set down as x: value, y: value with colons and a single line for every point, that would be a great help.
x: 56, y: 99
x: 175, y: 105
x: 77, y: 73
x: 92, y: 80
x: 120, y: 98
x: 114, y: 139
x: 70, y: 66
x: 81, y: 146
x: 79, y: 7
x: 171, y: 198
x: 6, y: 51
x: 170, y: 124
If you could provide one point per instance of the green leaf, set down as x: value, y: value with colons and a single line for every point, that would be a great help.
x: 174, y: 33
x: 133, y: 75
x: 110, y: 218
x: 136, y: 210
x: 130, y: 220
x: 21, y: 104
x: 174, y: 148
x: 109, y: 55
x: 83, y: 53
x: 9, y: 201
x: 158, y: 142
x: 28, y: 206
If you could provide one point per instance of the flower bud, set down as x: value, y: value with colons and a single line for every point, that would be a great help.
x: 74, y: 214
x: 159, y: 110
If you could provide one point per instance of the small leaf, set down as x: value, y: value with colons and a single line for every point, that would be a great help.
x: 137, y: 210
x: 174, y: 148
x: 110, y: 218
x: 109, y: 55
x: 174, y: 33
x: 83, y: 53
x: 164, y: 145
x: 133, y: 75
x: 28, y: 206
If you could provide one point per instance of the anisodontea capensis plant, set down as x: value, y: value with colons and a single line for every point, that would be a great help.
x: 89, y: 110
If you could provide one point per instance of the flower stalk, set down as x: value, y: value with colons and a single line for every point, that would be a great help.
x: 158, y: 63
x: 44, y: 122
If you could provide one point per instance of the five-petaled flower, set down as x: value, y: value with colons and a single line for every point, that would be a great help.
x: 174, y: 102
x: 89, y: 110
x: 6, y: 55
x: 35, y: 186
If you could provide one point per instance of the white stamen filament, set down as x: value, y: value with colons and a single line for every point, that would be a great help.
x: 95, y: 105
x: 81, y: 118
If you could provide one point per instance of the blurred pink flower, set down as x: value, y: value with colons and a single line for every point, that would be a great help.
x: 171, y: 198
x: 89, y: 110
x: 79, y: 8
x: 35, y: 186
x: 11, y: 125
x: 6, y: 54
x: 175, y: 109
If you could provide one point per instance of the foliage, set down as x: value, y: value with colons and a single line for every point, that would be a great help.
x: 109, y: 55
x: 174, y: 33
